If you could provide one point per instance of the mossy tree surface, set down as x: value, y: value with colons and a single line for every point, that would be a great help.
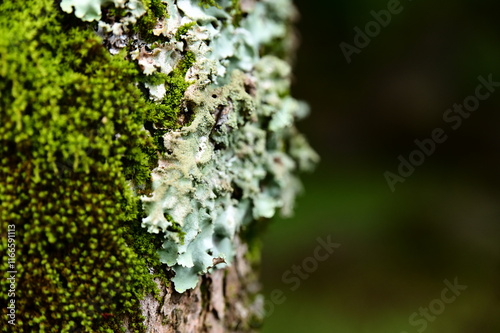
x: 64, y: 171
x: 85, y: 125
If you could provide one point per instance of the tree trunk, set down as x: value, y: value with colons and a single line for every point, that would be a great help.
x: 144, y: 144
x: 224, y: 301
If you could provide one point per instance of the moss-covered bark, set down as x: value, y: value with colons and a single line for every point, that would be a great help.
x: 64, y: 171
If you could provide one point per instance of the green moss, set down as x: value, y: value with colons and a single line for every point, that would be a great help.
x: 155, y: 9
x: 166, y: 114
x: 115, y: 12
x: 237, y: 13
x: 71, y: 142
x: 183, y: 29
x: 175, y: 227
x: 186, y: 63
x: 145, y: 245
x: 208, y: 3
x: 155, y: 79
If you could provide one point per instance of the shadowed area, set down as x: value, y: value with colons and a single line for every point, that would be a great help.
x: 398, y: 247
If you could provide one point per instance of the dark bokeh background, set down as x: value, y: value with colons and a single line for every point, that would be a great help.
x: 442, y: 222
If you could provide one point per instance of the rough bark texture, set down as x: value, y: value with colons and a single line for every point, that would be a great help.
x: 226, y: 300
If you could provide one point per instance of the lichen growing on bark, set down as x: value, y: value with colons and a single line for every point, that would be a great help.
x: 237, y: 160
x: 158, y: 133
x: 223, y: 119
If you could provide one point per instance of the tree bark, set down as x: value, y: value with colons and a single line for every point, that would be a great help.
x: 226, y: 300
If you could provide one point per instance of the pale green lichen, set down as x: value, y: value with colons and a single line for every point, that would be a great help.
x: 237, y: 161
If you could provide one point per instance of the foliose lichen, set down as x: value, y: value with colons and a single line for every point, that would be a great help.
x: 236, y: 160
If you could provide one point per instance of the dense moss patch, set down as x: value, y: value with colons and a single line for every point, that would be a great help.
x: 156, y: 9
x: 166, y: 114
x: 183, y: 29
x: 237, y: 13
x: 71, y: 142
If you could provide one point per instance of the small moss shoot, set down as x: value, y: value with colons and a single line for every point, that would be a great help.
x: 155, y: 9
x: 65, y: 174
x: 183, y: 29
x: 175, y: 227
x: 208, y: 3
x: 237, y: 13
x: 165, y: 115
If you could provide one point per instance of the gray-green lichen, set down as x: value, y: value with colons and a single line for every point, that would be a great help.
x: 236, y: 160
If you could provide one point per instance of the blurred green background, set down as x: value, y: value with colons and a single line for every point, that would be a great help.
x: 442, y: 222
